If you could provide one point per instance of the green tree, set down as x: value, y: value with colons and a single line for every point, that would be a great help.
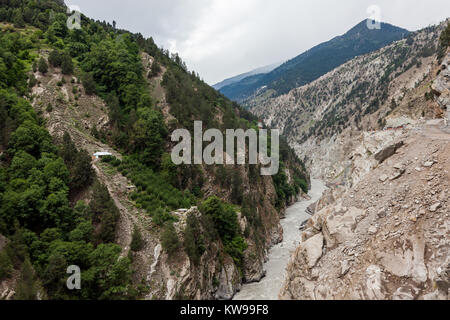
x: 194, y: 241
x: 18, y: 19
x: 42, y: 66
x: 104, y: 211
x: 445, y: 37
x: 169, y: 239
x: 27, y: 286
x: 66, y: 64
x: 89, y: 84
x: 223, y: 216
x: 54, y: 58
x: 137, y: 242
x: 6, y: 267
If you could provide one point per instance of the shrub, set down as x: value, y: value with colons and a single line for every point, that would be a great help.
x: 235, y: 248
x: 137, y: 243
x: 445, y: 37
x: 42, y: 66
x: 27, y: 286
x: 169, y: 239
x: 6, y: 267
x: 223, y: 216
x: 194, y: 241
x: 89, y: 84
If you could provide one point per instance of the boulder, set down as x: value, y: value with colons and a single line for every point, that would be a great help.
x: 340, y: 226
x: 388, y: 152
x: 312, y: 250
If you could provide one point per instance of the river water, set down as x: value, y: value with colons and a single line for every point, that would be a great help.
x: 269, y: 287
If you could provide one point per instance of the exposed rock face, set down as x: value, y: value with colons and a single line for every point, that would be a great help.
x: 382, y: 240
x: 441, y: 86
x: 388, y: 152
x: 331, y: 121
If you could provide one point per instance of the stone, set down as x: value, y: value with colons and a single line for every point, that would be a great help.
x: 311, y: 208
x: 397, y: 175
x: 313, y: 249
x: 345, y: 267
x: 383, y: 178
x: 373, y: 230
x: 340, y: 227
x: 435, y: 206
x: 428, y: 164
x: 403, y: 294
x: 388, y: 152
x: 381, y: 213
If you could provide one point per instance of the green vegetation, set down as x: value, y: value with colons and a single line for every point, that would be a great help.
x: 444, y: 42
x: 40, y: 180
x: 169, y: 239
x: 194, y: 239
x: 445, y: 37
x: 42, y: 66
x: 137, y: 242
x: 224, y: 219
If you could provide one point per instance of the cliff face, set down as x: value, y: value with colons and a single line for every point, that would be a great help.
x: 326, y: 121
x: 387, y: 236
x: 381, y: 231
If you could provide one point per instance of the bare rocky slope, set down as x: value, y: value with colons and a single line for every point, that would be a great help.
x: 375, y: 129
x: 327, y: 120
x: 387, y: 237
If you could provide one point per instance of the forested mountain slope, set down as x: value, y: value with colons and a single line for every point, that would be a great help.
x: 136, y: 224
x: 314, y: 63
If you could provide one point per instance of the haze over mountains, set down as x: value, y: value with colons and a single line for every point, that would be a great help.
x: 258, y: 71
x: 315, y: 62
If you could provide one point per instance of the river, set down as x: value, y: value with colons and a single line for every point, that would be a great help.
x: 269, y: 287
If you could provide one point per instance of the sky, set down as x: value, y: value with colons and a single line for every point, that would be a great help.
x: 223, y: 38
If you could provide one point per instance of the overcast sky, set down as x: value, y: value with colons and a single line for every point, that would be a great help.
x: 223, y: 38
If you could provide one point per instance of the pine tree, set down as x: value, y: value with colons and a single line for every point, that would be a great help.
x: 137, y: 243
x: 42, y: 66
x: 26, y: 289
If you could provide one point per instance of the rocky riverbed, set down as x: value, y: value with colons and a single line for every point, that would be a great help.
x: 269, y: 287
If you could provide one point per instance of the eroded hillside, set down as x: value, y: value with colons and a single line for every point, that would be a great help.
x: 381, y: 231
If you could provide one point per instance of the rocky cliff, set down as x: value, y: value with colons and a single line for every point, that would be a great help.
x: 381, y: 231
x: 387, y: 236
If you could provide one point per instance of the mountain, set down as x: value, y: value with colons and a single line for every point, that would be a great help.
x: 235, y: 79
x: 137, y: 225
x: 377, y: 130
x: 315, y: 62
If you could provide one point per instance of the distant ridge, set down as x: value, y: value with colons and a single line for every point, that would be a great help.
x: 261, y: 70
x: 316, y: 62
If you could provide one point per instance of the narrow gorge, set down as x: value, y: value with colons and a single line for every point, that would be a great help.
x: 275, y: 267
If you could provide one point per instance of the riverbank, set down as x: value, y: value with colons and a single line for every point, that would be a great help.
x: 269, y: 287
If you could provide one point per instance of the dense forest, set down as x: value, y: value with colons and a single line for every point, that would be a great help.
x: 41, y: 178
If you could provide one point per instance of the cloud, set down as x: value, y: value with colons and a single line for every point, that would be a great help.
x: 222, y: 38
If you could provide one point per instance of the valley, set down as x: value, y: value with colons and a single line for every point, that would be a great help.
x: 352, y: 203
x: 269, y: 287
